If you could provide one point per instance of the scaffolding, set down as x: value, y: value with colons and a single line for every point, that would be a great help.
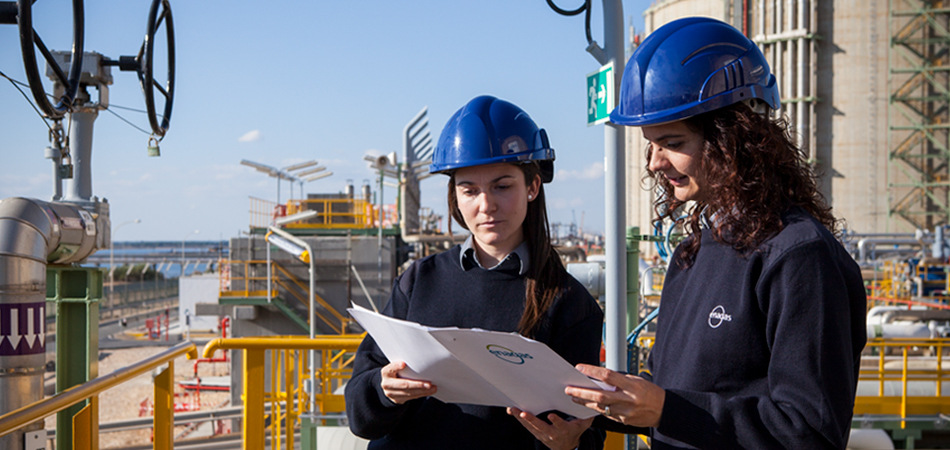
x: 918, y: 113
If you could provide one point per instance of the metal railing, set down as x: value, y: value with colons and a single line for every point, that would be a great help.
x: 85, y: 422
x: 240, y: 281
x: 300, y: 293
x: 332, y: 213
x: 262, y: 212
x: 288, y: 366
x: 907, y: 371
x: 232, y: 281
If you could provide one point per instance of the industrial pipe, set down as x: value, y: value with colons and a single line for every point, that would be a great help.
x: 870, y: 439
x: 867, y: 245
x: 311, y: 318
x: 32, y: 234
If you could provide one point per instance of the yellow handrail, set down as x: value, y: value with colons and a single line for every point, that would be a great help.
x: 336, y: 213
x: 323, y: 342
x: 288, y: 371
x: 15, y: 420
x: 229, y: 277
x: 905, y: 404
x: 343, y: 319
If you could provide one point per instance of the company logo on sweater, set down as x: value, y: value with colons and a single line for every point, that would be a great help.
x: 717, y: 316
x: 507, y: 355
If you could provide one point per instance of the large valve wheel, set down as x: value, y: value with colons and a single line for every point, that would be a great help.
x: 146, y: 64
x: 29, y: 39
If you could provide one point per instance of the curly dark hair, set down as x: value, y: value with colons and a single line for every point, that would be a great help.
x: 754, y: 173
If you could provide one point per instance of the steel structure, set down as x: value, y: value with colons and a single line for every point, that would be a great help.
x: 919, y: 112
x: 787, y: 37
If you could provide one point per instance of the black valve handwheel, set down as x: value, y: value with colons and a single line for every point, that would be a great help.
x: 145, y: 59
x: 29, y: 39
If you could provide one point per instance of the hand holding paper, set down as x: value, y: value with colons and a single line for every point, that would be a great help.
x: 399, y: 389
x: 480, y: 367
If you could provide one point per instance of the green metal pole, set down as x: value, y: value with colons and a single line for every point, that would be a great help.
x: 633, y: 278
x: 633, y: 309
x: 76, y: 291
x: 308, y: 433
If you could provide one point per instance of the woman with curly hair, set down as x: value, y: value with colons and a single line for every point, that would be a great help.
x: 762, y: 317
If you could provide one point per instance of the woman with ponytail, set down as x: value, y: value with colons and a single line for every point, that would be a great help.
x: 505, y: 277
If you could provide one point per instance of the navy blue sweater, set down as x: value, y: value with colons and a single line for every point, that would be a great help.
x: 436, y: 291
x: 761, y: 351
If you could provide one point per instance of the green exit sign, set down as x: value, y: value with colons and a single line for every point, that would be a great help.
x: 600, y: 95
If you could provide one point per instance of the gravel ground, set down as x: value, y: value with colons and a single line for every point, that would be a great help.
x: 124, y: 401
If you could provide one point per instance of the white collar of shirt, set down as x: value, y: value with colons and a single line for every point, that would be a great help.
x: 521, y: 252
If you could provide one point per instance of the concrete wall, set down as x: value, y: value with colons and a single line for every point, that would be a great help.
x: 193, y: 290
x: 852, y: 112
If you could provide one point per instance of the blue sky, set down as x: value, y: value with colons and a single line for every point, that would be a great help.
x: 302, y: 80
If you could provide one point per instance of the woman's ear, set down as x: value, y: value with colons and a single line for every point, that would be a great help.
x: 534, y: 188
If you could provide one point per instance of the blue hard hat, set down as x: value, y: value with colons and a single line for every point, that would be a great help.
x: 488, y: 130
x: 690, y: 66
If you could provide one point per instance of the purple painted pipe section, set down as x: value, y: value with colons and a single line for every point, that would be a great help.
x: 22, y: 328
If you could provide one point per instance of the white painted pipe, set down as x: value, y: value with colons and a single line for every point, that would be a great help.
x: 869, y: 439
x: 590, y: 275
x: 899, y: 330
x: 878, y: 314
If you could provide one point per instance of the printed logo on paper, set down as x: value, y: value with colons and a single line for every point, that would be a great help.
x: 717, y: 316
x: 507, y: 355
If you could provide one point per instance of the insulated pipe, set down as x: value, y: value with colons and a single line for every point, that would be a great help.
x: 877, y: 313
x: 919, y: 330
x: 863, y: 245
x: 32, y: 233
x: 590, y: 275
x: 869, y: 439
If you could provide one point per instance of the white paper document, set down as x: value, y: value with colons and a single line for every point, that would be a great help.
x: 480, y: 367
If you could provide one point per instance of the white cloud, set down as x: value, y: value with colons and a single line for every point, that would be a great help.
x: 250, y: 136
x: 592, y: 172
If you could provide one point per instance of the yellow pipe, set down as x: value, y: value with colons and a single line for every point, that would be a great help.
x: 15, y: 420
x: 349, y: 342
x: 164, y: 421
x: 289, y: 389
x: 939, y: 390
x: 880, y: 368
x: 253, y: 398
x: 904, y: 391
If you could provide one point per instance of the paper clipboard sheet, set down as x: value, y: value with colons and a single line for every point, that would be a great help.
x: 480, y: 367
x: 426, y: 359
x: 533, y: 375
